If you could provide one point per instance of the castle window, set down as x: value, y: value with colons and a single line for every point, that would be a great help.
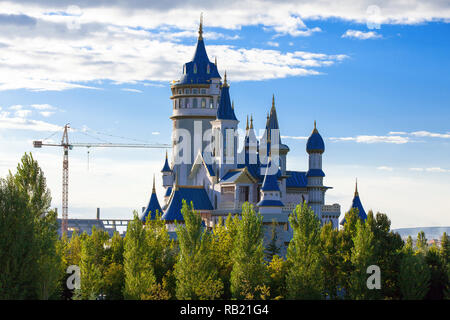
x: 179, y: 91
x: 194, y: 91
x: 203, y: 91
x: 208, y: 69
x: 194, y: 104
x: 180, y: 104
x: 203, y: 103
x: 211, y: 103
x: 195, y: 68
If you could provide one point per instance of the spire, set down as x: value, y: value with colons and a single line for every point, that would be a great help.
x: 153, y: 189
x: 315, y: 128
x: 200, y: 28
x: 356, y: 188
x: 273, y: 103
x: 246, y: 127
x: 225, y: 83
x: 215, y: 61
x: 225, y: 111
x: 251, y: 121
x: 232, y: 105
x: 166, y: 167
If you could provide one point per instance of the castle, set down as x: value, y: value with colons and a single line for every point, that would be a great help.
x: 207, y: 169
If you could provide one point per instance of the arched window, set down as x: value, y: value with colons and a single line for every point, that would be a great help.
x: 186, y: 91
x: 194, y: 91
x: 208, y: 69
x: 203, y: 103
x: 195, y: 68
x: 180, y: 105
x: 211, y: 103
x: 203, y: 91
x: 194, y: 104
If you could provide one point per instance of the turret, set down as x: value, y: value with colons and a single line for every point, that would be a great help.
x: 270, y: 195
x: 195, y: 100
x: 153, y: 206
x: 224, y: 137
x: 167, y: 174
x: 356, y: 204
x: 316, y: 191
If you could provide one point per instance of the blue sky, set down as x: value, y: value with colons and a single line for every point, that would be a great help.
x: 380, y: 96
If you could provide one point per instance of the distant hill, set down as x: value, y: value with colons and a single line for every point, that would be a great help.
x: 430, y: 232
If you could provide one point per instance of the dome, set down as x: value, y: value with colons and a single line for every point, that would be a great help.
x: 315, y: 142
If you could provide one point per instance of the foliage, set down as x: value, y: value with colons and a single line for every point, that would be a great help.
x: 196, y: 276
x: 303, y: 279
x: 414, y: 275
x: 272, y: 248
x: 249, y: 270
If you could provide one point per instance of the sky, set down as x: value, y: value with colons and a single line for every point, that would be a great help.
x: 373, y: 74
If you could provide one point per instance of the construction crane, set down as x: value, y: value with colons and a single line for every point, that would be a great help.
x: 66, y: 145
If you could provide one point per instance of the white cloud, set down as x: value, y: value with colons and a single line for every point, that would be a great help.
x: 46, y: 113
x: 273, y: 44
x: 431, y: 134
x: 374, y: 139
x: 43, y: 107
x: 131, y: 90
x: 294, y: 137
x: 397, y: 133
x: 156, y: 133
x: 385, y: 168
x: 356, y: 34
x: 21, y: 123
x: 23, y: 113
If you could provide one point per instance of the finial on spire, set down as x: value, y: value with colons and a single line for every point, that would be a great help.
x: 200, y: 28
x: 246, y: 127
x: 251, y: 121
x: 232, y: 104
x: 215, y: 61
x: 166, y: 154
x: 153, y: 189
x: 356, y: 188
x: 225, y: 83
x: 273, y: 103
x: 315, y: 128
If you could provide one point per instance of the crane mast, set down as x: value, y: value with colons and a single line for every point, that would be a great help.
x: 65, y: 172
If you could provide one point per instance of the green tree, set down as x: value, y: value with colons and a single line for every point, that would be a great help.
x: 409, y: 243
x: 113, y: 277
x: 248, y: 255
x: 92, y: 264
x: 362, y: 257
x: 32, y: 234
x: 422, y: 242
x: 223, y: 237
x: 414, y: 275
x: 277, y: 273
x: 18, y: 248
x: 331, y: 260
x: 387, y: 253
x: 303, y: 255
x: 196, y: 276
x: 272, y: 247
x: 346, y: 235
x: 439, y: 279
x: 445, y: 249
x: 140, y: 279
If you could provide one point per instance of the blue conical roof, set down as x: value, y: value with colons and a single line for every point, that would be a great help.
x: 356, y: 204
x: 225, y: 111
x: 270, y: 182
x: 152, y: 207
x: 166, y: 167
x: 315, y: 142
x: 200, y: 70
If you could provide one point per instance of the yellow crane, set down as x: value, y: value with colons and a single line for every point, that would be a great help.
x: 66, y: 145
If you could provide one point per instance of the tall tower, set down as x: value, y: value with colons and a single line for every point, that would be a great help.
x: 224, y: 139
x: 316, y: 191
x: 195, y: 100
